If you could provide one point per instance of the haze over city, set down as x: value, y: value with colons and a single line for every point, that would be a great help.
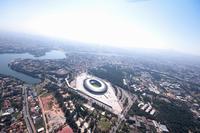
x: 100, y: 66
x: 157, y: 24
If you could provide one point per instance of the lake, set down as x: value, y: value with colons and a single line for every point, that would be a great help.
x: 5, y: 59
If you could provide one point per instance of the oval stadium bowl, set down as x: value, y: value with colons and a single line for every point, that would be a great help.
x: 95, y: 86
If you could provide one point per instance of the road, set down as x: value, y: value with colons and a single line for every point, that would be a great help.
x: 131, y: 99
x: 27, y: 118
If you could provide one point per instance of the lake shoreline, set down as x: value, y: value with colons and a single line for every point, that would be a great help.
x: 7, y: 58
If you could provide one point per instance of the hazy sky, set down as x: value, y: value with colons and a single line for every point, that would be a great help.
x: 165, y: 24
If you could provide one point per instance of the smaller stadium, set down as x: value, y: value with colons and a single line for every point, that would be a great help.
x: 97, y: 90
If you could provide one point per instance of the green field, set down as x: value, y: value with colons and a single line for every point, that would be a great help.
x: 104, y: 124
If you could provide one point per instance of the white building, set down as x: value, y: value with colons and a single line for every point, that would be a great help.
x: 98, y: 93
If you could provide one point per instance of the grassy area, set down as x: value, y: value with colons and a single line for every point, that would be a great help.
x: 50, y: 105
x: 124, y: 128
x: 40, y: 87
x: 39, y: 123
x: 17, y: 115
x: 177, y: 117
x: 39, y: 90
x: 104, y: 124
x: 95, y: 85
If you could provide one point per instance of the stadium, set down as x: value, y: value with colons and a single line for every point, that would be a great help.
x: 98, y: 90
x: 95, y: 86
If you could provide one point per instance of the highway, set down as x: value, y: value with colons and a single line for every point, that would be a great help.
x: 29, y: 123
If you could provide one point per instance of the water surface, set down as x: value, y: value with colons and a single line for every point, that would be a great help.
x: 5, y: 59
